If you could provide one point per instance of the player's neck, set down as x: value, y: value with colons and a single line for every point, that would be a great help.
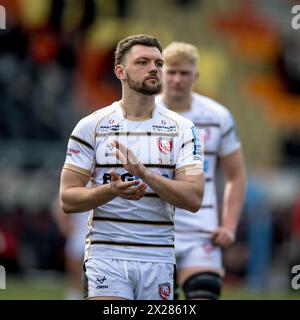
x: 177, y: 104
x: 138, y: 107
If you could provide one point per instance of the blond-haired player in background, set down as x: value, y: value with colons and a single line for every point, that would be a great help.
x: 200, y: 238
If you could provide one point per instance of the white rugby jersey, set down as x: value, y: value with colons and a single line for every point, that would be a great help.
x: 167, y: 144
x: 220, y: 140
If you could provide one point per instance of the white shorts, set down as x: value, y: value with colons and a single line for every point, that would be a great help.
x: 133, y: 280
x: 196, y: 251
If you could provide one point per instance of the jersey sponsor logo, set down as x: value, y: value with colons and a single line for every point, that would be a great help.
x: 164, y: 128
x: 164, y: 290
x: 165, y: 145
x: 112, y: 127
x: 101, y: 281
x: 108, y: 150
x: 126, y: 177
x: 71, y: 151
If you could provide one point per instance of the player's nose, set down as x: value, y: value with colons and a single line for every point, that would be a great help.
x: 153, y: 68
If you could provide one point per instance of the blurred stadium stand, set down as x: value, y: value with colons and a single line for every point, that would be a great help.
x: 56, y: 62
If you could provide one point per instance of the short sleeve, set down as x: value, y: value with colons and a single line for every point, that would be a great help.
x: 191, y: 151
x: 80, y: 155
x: 229, y: 139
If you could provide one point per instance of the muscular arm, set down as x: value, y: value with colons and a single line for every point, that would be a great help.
x: 185, y: 192
x: 76, y: 197
x: 233, y: 169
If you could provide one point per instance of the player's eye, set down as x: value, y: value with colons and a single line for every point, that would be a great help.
x: 159, y: 64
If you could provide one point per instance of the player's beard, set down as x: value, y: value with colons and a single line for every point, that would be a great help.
x: 143, y: 87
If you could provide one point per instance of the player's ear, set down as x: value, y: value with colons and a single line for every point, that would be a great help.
x: 120, y: 72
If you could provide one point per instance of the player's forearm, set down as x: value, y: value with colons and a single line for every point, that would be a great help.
x: 182, y: 194
x: 79, y: 199
x: 233, y: 200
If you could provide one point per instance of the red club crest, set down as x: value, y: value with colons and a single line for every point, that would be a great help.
x: 165, y: 145
x: 208, y: 247
x: 164, y: 290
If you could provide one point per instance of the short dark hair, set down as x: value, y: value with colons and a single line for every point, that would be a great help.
x: 126, y: 44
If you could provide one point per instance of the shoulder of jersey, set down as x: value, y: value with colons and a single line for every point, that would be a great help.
x: 210, y: 104
x: 181, y: 121
x: 96, y: 116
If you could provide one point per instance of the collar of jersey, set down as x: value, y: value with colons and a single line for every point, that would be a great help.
x: 121, y: 112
